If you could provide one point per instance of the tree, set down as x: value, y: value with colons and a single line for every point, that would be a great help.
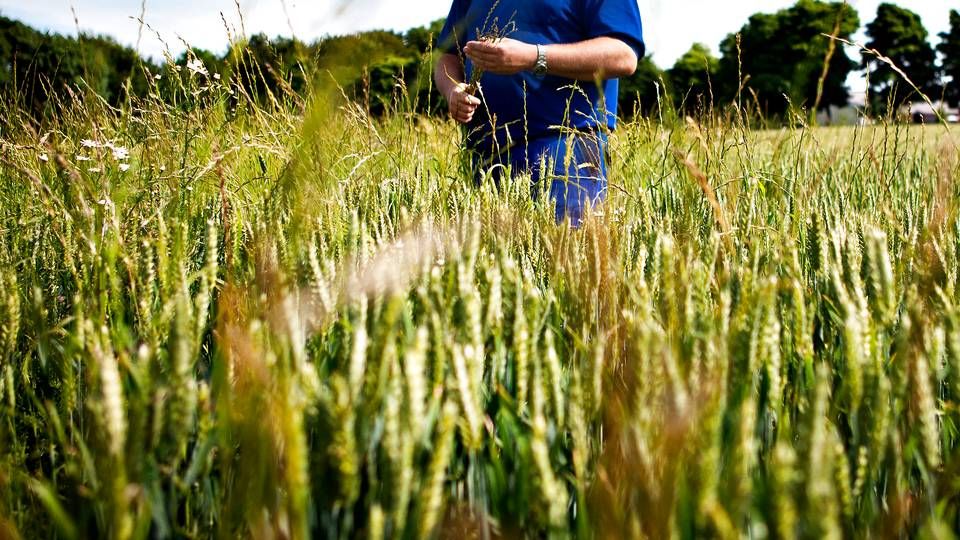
x: 371, y: 63
x: 35, y: 67
x: 641, y: 92
x: 813, y: 22
x: 898, y: 34
x: 691, y: 77
x: 783, y: 54
x: 949, y: 48
x: 423, y: 38
x: 108, y: 66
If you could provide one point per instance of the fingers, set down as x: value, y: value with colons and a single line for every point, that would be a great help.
x: 485, y: 57
x: 482, y: 63
x: 464, y: 118
x: 463, y: 115
x: 486, y: 63
x: 461, y: 93
x: 480, y: 47
x: 463, y: 105
x: 465, y: 101
x: 483, y: 53
x: 500, y: 58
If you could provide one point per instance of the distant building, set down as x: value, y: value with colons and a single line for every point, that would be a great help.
x: 919, y: 112
x: 922, y: 113
x: 857, y: 112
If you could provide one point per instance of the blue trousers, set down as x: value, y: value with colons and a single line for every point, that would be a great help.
x: 573, y: 164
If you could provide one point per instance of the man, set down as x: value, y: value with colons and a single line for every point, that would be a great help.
x: 547, y: 92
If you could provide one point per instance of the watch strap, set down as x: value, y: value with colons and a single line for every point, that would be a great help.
x: 540, y: 68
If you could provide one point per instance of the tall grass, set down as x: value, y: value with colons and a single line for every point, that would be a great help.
x: 220, y: 317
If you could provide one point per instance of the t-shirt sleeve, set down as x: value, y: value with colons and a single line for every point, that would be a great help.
x: 615, y: 18
x: 452, y: 37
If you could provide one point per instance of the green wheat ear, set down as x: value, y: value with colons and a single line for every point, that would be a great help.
x: 9, y: 315
x: 758, y: 336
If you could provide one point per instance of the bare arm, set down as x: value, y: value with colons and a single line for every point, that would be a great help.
x: 448, y: 73
x: 597, y: 58
x: 451, y: 82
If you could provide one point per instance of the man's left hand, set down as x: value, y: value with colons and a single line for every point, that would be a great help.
x: 502, y: 57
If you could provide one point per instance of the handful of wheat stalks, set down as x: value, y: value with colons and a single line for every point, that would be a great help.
x: 491, y: 32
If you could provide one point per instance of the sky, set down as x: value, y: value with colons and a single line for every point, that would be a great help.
x: 670, y: 26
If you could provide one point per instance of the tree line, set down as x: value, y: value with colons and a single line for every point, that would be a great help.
x: 786, y: 60
x: 776, y: 63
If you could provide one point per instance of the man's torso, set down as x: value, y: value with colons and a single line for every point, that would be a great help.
x: 524, y: 107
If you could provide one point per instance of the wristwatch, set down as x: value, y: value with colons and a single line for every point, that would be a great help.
x: 540, y: 68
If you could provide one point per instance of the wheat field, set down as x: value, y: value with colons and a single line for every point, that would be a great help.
x: 225, y: 318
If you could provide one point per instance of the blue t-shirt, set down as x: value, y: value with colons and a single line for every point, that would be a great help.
x: 526, y: 107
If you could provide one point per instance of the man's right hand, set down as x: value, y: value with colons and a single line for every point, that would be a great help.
x: 462, y: 104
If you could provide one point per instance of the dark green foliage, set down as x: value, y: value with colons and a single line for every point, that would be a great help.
x: 42, y: 66
x: 949, y: 48
x: 783, y: 54
x: 109, y: 66
x: 377, y: 60
x: 39, y: 67
x: 423, y: 38
x: 898, y: 34
x: 641, y: 92
x: 780, y: 60
x: 691, y: 78
x: 266, y: 67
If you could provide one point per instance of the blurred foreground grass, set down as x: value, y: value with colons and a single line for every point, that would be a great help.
x: 225, y: 319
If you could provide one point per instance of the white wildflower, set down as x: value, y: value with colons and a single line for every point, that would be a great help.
x: 196, y: 67
x: 119, y: 152
x: 157, y: 77
x: 83, y: 158
x: 216, y: 76
x: 87, y: 143
x: 124, y: 167
x: 44, y: 158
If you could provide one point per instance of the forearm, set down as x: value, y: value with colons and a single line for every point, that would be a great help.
x: 589, y: 60
x: 599, y: 58
x: 448, y: 73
